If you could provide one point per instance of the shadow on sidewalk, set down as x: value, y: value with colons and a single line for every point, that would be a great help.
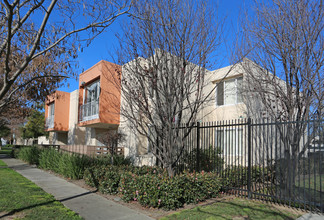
x: 2, y: 156
x: 22, y: 167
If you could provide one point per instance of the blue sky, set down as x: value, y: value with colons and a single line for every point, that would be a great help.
x: 102, y: 48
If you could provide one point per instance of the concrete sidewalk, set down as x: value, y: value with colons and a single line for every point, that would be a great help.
x: 86, y: 203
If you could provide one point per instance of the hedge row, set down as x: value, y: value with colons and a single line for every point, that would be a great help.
x: 152, y: 187
x: 68, y: 164
x: 28, y: 154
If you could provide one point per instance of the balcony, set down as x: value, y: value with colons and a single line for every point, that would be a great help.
x: 99, y: 83
x: 50, y: 122
x: 89, y: 111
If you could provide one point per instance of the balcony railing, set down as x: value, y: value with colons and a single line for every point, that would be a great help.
x: 50, y: 122
x: 89, y: 111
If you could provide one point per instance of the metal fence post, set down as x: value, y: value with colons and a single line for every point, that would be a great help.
x: 249, y: 158
x: 198, y: 145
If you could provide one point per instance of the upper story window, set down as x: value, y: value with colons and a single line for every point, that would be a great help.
x: 50, y: 118
x: 51, y: 110
x: 90, y: 108
x: 229, y: 92
x: 92, y: 92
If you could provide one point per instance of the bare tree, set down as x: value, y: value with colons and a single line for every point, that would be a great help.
x: 165, y: 56
x: 40, y: 40
x: 284, y: 43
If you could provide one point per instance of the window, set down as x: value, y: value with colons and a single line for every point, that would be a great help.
x: 51, y: 110
x: 50, y: 118
x: 229, y: 92
x: 92, y: 92
x: 90, y: 107
x: 229, y: 140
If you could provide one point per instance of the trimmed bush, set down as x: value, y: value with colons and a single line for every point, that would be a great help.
x: 152, y: 187
x: 161, y: 191
x: 118, y: 160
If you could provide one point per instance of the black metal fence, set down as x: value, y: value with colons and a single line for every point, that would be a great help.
x: 276, y: 161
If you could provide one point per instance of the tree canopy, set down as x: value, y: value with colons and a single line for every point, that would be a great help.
x: 35, y: 125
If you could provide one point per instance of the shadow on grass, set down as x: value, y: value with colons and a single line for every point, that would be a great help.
x: 262, y: 211
x: 14, y: 211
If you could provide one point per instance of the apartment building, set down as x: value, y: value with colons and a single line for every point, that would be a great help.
x: 84, y: 116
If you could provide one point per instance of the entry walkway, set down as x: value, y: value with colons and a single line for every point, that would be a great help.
x: 84, y: 202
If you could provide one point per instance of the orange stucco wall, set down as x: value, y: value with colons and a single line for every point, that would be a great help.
x: 109, y: 99
x: 61, y: 110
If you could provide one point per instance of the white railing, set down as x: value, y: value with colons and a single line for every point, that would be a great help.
x: 50, y: 122
x: 89, y: 111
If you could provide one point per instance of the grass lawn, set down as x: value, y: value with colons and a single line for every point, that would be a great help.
x: 231, y: 209
x: 22, y: 199
x: 313, y: 181
x: 5, y: 150
x: 2, y: 163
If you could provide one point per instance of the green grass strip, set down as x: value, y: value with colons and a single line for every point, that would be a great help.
x: 233, y: 209
x: 2, y: 164
x: 20, y: 198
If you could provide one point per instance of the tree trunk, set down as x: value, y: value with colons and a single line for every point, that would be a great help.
x: 170, y: 170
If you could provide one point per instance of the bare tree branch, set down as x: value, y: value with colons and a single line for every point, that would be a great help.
x: 25, y: 41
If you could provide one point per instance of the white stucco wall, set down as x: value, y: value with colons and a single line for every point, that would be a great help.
x: 76, y: 134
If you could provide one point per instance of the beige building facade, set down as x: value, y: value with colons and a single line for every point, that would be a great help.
x: 94, y: 109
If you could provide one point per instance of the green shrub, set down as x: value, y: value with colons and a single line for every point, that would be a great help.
x: 105, y: 178
x: 14, y: 153
x: 73, y: 165
x: 49, y: 159
x: 94, y: 174
x: 29, y: 154
x: 120, y: 160
x: 109, y: 181
x: 152, y: 187
x: 209, y: 159
x: 117, y: 160
x: 69, y: 165
x: 200, y: 186
x: 145, y: 170
x: 162, y: 191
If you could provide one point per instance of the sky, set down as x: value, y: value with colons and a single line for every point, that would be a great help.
x: 102, y: 47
